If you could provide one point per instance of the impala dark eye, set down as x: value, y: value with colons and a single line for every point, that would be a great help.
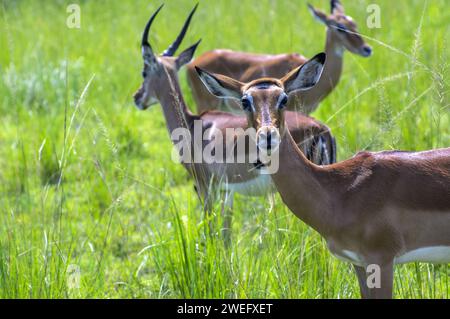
x: 341, y: 27
x: 246, y: 104
x: 283, y: 101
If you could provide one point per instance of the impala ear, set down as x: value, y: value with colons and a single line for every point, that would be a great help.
x: 336, y: 7
x: 186, y: 56
x: 319, y: 15
x: 305, y: 76
x: 220, y: 85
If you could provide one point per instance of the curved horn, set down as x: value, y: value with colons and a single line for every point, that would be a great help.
x: 336, y: 5
x: 147, y: 28
x: 174, y: 46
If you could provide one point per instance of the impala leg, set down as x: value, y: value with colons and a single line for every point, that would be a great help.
x: 376, y: 280
x: 386, y: 282
x: 362, y: 280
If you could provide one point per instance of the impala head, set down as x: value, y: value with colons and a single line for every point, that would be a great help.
x: 264, y: 100
x: 157, y: 67
x: 344, y: 28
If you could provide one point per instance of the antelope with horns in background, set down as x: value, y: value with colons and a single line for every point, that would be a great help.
x: 375, y: 209
x: 341, y: 34
x: 161, y: 85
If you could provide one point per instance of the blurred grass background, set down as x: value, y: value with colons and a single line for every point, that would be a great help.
x: 89, y: 181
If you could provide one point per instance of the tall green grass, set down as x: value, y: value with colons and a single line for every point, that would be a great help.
x: 86, y: 179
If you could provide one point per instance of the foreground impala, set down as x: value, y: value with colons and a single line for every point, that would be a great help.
x: 161, y: 85
x: 375, y: 209
x: 341, y: 34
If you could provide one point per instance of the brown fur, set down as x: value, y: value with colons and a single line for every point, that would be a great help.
x: 377, y: 205
x: 161, y: 85
x: 246, y: 67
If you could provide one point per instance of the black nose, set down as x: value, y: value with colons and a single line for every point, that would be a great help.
x: 269, y: 138
x: 367, y: 51
x: 258, y: 164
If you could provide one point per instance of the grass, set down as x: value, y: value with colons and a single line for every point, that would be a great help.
x: 86, y: 179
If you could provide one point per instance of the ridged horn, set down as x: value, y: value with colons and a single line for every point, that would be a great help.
x: 174, y: 46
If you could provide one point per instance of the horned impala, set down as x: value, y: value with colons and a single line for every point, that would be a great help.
x: 161, y: 85
x: 376, y: 208
x: 341, y: 34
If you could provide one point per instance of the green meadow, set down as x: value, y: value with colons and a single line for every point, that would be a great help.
x: 91, y: 204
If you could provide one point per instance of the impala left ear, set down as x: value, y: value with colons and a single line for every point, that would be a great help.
x: 220, y: 85
x: 305, y: 76
x: 187, y: 55
x: 318, y: 14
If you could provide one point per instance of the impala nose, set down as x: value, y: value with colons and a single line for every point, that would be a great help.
x: 268, y: 138
x: 143, y: 101
x: 138, y: 99
x: 366, y: 51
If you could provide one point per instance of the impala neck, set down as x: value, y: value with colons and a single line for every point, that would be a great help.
x: 301, y: 186
x: 333, y: 65
x: 176, y: 113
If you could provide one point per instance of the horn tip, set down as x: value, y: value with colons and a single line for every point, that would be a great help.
x: 194, y: 9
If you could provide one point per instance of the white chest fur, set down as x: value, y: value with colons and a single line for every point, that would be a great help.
x: 349, y: 256
x: 433, y: 255
x: 258, y: 186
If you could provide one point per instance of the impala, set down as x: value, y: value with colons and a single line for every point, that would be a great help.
x: 341, y: 34
x: 377, y: 209
x: 161, y: 85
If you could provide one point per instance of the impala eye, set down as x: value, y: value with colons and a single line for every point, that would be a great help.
x: 341, y: 27
x: 283, y: 101
x: 246, y: 104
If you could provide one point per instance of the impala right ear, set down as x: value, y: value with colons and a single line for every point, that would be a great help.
x: 318, y: 14
x: 186, y: 56
x: 221, y: 85
x: 305, y: 76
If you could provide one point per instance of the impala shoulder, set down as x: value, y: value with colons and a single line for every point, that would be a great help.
x: 208, y: 57
x: 220, y: 53
x: 353, y: 171
x: 362, y: 165
x: 296, y: 57
x: 364, y: 156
